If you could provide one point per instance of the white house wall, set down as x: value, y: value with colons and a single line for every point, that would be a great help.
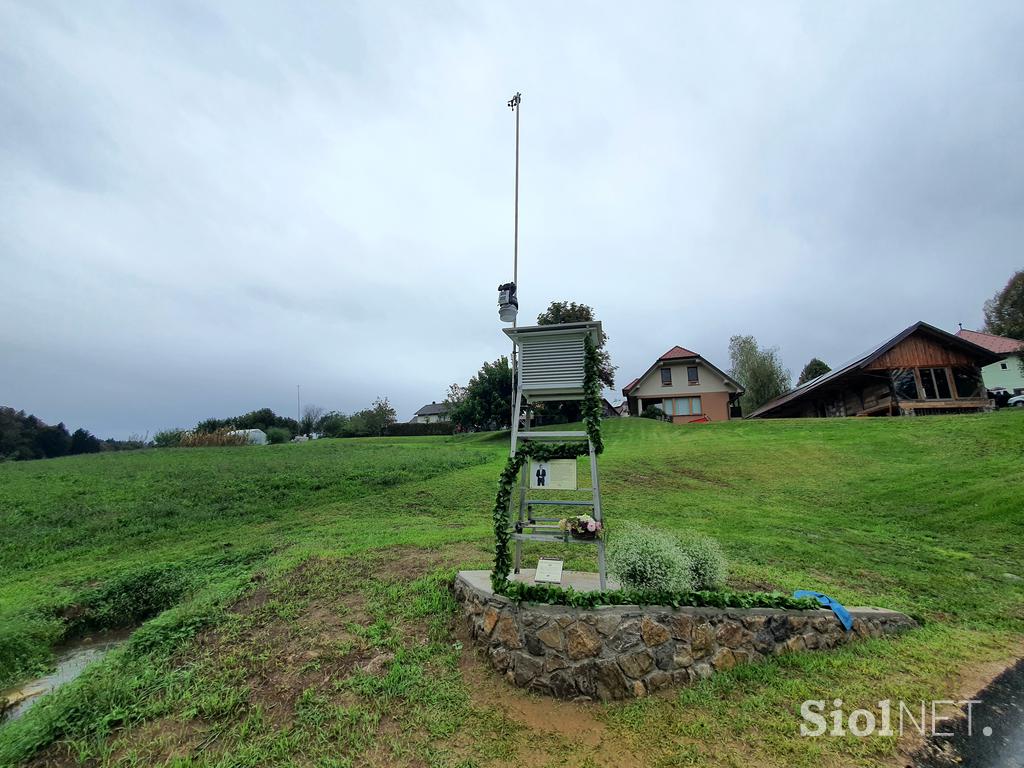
x: 710, y: 381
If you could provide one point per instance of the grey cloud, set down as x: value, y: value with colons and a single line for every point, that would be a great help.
x: 202, y: 206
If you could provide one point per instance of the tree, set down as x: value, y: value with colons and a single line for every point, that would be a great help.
x: 53, y: 441
x: 813, y: 370
x: 559, y: 312
x: 263, y: 418
x: 380, y: 416
x: 333, y: 424
x: 311, y: 416
x: 1004, y: 312
x: 487, y: 402
x: 83, y: 441
x: 759, y: 371
x: 18, y: 432
x: 456, y: 394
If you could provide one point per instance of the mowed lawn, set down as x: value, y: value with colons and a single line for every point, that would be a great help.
x: 302, y: 615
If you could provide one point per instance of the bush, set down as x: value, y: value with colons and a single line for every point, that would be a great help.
x: 168, y: 438
x: 411, y: 430
x: 653, y: 412
x: 25, y: 647
x: 708, y: 565
x: 276, y: 435
x: 643, y: 558
x: 126, y: 599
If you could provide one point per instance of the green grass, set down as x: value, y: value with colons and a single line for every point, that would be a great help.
x: 347, y: 544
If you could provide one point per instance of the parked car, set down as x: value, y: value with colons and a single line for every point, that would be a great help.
x: 1017, y: 401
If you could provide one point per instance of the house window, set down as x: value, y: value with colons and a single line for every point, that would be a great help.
x: 905, y: 384
x: 1003, y: 366
x: 681, y: 406
x: 967, y: 382
x: 935, y: 384
x: 666, y: 377
x: 692, y: 377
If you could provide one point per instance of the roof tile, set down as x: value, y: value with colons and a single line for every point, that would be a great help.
x: 678, y: 353
x: 1001, y: 345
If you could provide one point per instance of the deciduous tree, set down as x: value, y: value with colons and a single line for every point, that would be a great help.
x: 759, y: 370
x: 1004, y: 312
x: 487, y: 402
x: 380, y: 416
x: 559, y: 312
x: 311, y: 416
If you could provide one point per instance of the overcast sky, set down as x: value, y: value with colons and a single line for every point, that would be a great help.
x: 203, y: 205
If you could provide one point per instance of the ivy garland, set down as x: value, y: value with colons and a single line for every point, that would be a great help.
x: 552, y: 595
x: 545, y: 452
x: 592, y: 394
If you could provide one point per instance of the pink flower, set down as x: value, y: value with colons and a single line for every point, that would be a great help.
x: 591, y: 526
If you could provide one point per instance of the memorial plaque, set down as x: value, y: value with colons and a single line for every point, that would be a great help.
x: 557, y: 474
x: 549, y: 571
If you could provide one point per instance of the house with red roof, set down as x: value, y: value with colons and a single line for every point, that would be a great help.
x: 686, y: 387
x: 1007, y: 374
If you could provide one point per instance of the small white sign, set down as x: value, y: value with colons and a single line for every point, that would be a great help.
x: 556, y: 475
x: 549, y: 571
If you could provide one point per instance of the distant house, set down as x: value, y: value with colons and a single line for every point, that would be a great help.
x: 921, y: 370
x: 686, y: 387
x: 608, y: 411
x: 430, y: 414
x: 1005, y: 374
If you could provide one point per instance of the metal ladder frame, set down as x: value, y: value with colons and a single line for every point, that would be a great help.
x: 525, y: 518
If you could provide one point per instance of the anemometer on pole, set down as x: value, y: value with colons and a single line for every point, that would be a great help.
x: 548, y: 364
x: 508, y: 301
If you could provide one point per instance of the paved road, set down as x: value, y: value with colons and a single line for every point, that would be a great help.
x: 997, y: 730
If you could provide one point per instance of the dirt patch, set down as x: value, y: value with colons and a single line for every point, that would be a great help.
x: 301, y: 633
x: 573, y: 726
x: 409, y: 563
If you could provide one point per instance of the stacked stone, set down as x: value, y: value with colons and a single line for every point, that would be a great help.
x: 618, y: 652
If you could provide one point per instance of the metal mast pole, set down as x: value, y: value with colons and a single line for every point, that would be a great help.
x: 514, y: 105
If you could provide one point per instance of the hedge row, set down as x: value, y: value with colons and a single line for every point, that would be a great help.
x: 415, y: 430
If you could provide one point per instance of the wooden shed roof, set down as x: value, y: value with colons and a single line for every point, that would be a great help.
x: 982, y: 355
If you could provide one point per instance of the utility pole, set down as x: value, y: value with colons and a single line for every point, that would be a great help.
x: 298, y: 404
x: 514, y: 105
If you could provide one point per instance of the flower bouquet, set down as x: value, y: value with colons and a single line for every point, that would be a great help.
x: 581, y: 527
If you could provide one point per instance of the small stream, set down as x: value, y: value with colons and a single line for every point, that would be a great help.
x: 72, y: 659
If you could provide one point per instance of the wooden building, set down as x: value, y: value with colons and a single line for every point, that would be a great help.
x: 922, y: 370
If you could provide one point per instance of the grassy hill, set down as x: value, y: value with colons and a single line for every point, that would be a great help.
x: 278, y: 573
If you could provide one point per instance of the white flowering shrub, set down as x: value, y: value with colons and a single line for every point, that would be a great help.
x: 708, y: 566
x: 644, y: 558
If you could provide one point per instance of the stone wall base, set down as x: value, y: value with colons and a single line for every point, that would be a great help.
x: 625, y: 651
